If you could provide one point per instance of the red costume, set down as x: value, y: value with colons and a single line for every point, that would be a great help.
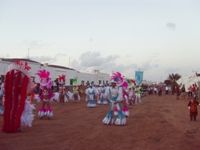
x: 192, y: 105
x: 17, y: 84
x: 62, y: 90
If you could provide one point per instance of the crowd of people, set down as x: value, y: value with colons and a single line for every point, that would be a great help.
x: 17, y: 107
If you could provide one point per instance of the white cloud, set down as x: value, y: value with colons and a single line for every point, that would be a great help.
x: 58, y: 59
x: 171, y: 26
x: 94, y: 59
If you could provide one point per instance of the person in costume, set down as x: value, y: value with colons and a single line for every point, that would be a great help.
x: 192, y: 106
x: 46, y: 94
x: 1, y: 99
x: 103, y: 98
x: 91, y: 96
x: 115, y: 113
x: 130, y: 91
x: 138, y: 93
x: 98, y: 92
x: 82, y: 89
x: 27, y: 115
x: 76, y: 93
x: 125, y: 101
x: 62, y: 89
x: 131, y: 96
x: 17, y: 85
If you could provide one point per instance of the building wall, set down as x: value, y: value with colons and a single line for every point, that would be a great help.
x: 55, y: 72
x: 3, y: 67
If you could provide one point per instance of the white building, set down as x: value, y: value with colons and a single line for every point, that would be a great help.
x: 55, y: 70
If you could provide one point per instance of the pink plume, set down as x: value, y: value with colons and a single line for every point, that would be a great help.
x: 43, y: 73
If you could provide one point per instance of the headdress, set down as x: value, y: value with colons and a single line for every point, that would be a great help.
x: 119, y: 79
x: 61, y: 79
x: 17, y: 83
x: 131, y: 83
x: 20, y: 66
x: 45, y: 80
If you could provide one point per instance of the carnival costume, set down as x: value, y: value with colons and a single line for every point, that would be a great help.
x: 103, y: 98
x: 62, y: 90
x: 17, y: 85
x: 91, y: 96
x: 46, y: 94
x: 115, y: 114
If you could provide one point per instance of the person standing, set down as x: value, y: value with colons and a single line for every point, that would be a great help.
x: 91, y: 96
x: 115, y: 113
x: 45, y: 95
x: 192, y: 106
x: 17, y: 86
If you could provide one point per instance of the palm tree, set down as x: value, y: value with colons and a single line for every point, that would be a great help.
x: 173, y: 78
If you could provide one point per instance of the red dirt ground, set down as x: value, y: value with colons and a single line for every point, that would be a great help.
x: 158, y: 123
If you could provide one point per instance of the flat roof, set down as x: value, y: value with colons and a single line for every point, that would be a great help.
x: 23, y: 59
x: 61, y: 67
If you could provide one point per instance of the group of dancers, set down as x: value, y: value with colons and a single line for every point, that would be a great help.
x: 119, y: 94
x: 18, y: 89
x: 17, y: 107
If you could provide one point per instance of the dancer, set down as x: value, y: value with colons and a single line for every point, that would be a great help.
x: 76, y: 93
x: 45, y: 95
x: 125, y: 101
x: 82, y: 89
x: 192, y: 106
x: 103, y: 95
x: 131, y: 96
x: 91, y: 96
x: 62, y: 89
x: 115, y: 114
x: 138, y: 94
x: 27, y: 115
x: 17, y: 85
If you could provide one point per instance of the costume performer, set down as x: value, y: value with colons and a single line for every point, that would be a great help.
x: 125, y: 101
x: 138, y: 94
x: 131, y: 96
x: 115, y: 114
x: 45, y: 95
x: 91, y: 96
x: 76, y: 93
x: 103, y: 98
x: 192, y: 106
x: 17, y: 85
x: 82, y: 89
x: 131, y: 91
x: 62, y: 90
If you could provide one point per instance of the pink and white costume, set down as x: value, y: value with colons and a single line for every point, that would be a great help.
x: 46, y: 94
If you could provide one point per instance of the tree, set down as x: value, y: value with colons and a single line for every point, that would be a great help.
x: 172, y: 80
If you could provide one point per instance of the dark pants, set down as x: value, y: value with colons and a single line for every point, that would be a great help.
x: 193, y: 116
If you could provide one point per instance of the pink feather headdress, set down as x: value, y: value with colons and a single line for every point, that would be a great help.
x: 43, y: 74
x: 119, y: 79
x: 45, y: 79
x: 20, y: 65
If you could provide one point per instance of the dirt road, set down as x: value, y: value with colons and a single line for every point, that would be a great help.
x: 158, y: 123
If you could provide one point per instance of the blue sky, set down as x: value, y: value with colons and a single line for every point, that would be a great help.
x: 157, y: 36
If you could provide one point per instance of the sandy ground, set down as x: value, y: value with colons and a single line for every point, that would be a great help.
x: 158, y: 123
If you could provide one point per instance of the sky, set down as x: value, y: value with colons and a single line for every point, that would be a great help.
x: 158, y: 37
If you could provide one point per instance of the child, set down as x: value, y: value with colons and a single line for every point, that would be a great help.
x: 192, y: 106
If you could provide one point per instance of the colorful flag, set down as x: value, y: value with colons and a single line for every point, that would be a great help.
x: 138, y: 77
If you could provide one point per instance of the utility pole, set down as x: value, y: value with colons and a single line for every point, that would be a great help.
x: 28, y: 53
